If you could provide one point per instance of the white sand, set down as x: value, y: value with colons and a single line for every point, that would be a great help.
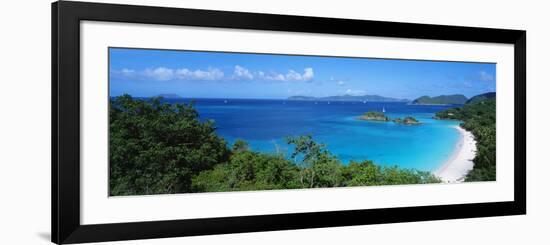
x: 460, y: 163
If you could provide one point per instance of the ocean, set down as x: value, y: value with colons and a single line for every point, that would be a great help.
x: 264, y: 124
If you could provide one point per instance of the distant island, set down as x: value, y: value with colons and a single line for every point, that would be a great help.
x: 347, y: 97
x: 381, y: 117
x: 169, y: 96
x: 455, y: 99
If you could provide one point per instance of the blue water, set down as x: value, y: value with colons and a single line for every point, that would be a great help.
x: 265, y: 123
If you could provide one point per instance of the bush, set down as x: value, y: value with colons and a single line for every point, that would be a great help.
x: 157, y: 147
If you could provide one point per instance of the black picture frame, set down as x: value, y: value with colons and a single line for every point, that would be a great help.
x: 66, y: 18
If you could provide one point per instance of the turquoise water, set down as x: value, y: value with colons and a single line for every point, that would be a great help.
x: 265, y: 123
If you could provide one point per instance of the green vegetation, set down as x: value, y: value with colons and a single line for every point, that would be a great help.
x: 374, y: 116
x: 407, y: 121
x: 379, y: 116
x: 158, y: 148
x: 312, y: 166
x: 482, y: 97
x: 457, y: 99
x: 479, y: 117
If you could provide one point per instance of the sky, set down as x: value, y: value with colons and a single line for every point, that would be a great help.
x: 192, y: 74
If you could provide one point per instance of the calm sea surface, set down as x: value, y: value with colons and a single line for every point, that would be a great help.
x: 265, y: 123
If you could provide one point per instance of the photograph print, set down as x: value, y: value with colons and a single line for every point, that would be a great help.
x: 205, y: 121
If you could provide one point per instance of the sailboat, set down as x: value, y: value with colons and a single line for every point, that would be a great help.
x: 383, y: 109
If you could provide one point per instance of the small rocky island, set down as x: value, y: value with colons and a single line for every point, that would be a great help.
x: 381, y: 117
x: 374, y: 116
x: 407, y: 121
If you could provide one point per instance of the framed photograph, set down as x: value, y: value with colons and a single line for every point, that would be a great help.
x: 176, y: 122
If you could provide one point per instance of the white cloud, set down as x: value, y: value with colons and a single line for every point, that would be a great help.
x: 485, y: 76
x: 243, y: 73
x: 211, y: 74
x: 290, y: 76
x: 341, y: 83
x: 160, y: 74
x: 308, y: 74
x: 167, y: 74
x: 128, y: 72
x: 124, y: 73
x: 214, y: 74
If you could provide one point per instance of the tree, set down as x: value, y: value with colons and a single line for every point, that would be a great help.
x: 240, y: 146
x: 366, y: 173
x: 247, y: 170
x: 318, y: 167
x: 157, y: 147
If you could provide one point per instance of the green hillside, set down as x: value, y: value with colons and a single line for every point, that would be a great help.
x: 457, y: 99
x: 482, y: 97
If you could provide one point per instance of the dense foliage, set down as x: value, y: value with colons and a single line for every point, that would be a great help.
x: 380, y: 116
x: 374, y: 116
x: 158, y: 148
x: 312, y: 166
x: 479, y: 117
x: 407, y: 121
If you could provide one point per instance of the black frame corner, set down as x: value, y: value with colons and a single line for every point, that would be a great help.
x: 66, y: 17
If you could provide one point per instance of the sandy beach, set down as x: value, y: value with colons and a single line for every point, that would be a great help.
x: 461, y: 162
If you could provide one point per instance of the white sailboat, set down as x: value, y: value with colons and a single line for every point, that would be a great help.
x: 383, y: 109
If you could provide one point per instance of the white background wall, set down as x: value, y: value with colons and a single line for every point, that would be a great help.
x: 25, y: 121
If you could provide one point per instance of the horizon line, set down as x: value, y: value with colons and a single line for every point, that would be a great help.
x: 286, y: 98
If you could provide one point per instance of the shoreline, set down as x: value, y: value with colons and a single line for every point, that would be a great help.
x: 455, y: 169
